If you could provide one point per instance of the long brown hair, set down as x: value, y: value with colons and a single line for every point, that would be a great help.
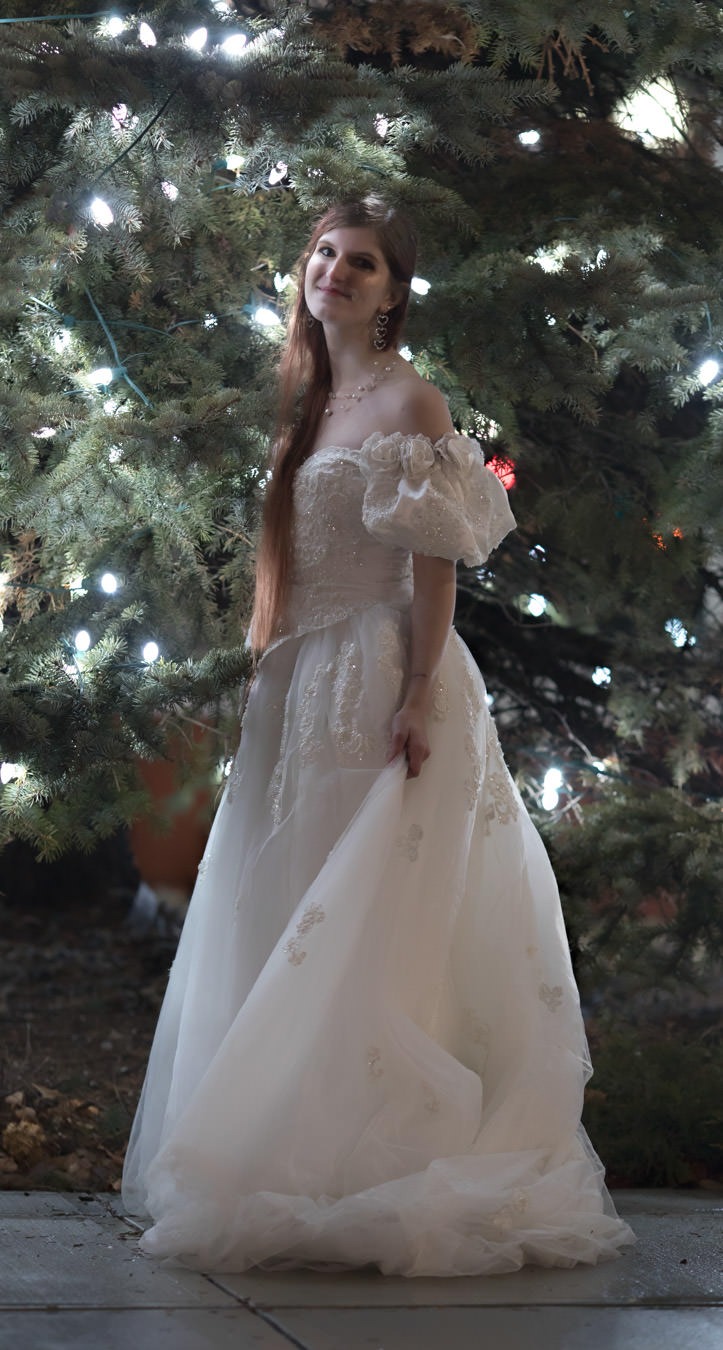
x: 304, y: 387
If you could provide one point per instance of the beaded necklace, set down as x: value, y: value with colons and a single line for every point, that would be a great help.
x: 356, y: 395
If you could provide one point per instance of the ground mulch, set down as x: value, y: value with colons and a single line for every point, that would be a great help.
x: 80, y: 993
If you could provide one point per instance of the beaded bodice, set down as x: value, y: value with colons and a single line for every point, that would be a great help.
x: 338, y: 567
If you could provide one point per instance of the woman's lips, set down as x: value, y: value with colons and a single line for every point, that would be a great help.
x: 334, y: 290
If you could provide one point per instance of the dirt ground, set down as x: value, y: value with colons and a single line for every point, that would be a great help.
x: 79, y: 999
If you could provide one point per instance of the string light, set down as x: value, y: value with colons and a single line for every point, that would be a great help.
x: 268, y: 318
x: 382, y: 125
x: 197, y: 39
x: 114, y: 454
x: 9, y: 771
x: 43, y: 433
x: 282, y: 282
x: 678, y: 633
x: 151, y: 652
x: 551, y: 789
x: 62, y: 340
x: 601, y: 675
x: 101, y: 212
x: 146, y: 35
x: 420, y: 286
x: 653, y: 113
x: 170, y: 190
x: 406, y: 353
x: 708, y: 371
x: 119, y: 115
x: 109, y: 583
x: 103, y: 375
x: 234, y: 162
x: 528, y: 137
x: 538, y: 552
x: 210, y: 321
x: 82, y: 640
x: 536, y: 605
x: 115, y: 26
x: 234, y: 45
x: 278, y: 173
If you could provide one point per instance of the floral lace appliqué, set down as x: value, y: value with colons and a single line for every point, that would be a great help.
x: 501, y: 804
x: 390, y: 656
x: 511, y: 1213
x: 374, y: 1067
x: 473, y: 781
x: 440, y: 701
x: 311, y: 916
x: 552, y: 998
x: 409, y: 842
x: 430, y: 1098
x: 348, y: 698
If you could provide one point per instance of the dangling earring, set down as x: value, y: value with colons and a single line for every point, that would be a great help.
x: 380, y: 333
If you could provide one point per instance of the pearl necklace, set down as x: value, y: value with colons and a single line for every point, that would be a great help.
x: 356, y: 395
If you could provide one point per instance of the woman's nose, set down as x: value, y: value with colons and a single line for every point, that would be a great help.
x: 338, y: 270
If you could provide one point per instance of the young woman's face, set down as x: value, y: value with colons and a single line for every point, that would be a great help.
x: 347, y: 278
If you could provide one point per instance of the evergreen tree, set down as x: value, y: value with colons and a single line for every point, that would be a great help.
x: 157, y: 186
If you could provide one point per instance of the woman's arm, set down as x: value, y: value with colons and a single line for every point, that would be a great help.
x: 424, y: 410
x: 432, y: 614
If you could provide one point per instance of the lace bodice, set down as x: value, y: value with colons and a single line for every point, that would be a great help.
x: 360, y: 514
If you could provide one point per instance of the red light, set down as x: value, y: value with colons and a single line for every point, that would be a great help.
x: 504, y: 469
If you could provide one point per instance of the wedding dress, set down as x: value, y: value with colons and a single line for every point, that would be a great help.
x: 371, y: 1050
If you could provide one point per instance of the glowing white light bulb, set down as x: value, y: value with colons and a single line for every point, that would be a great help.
x: 72, y: 671
x: 528, y: 137
x: 109, y: 583
x: 151, y: 652
x: 118, y: 115
x: 550, y: 798
x: 62, y: 340
x: 146, y: 35
x: 489, y: 700
x: 114, y: 454
x: 170, y: 190
x: 267, y: 317
x: 282, y: 282
x: 101, y: 212
x: 601, y: 675
x: 115, y: 26
x: 197, y: 39
x: 234, y: 162
x: 382, y: 125
x: 227, y: 768
x: 234, y: 45
x: 653, y: 113
x: 9, y: 771
x: 210, y: 321
x: 420, y: 286
x: 553, y: 779
x: 82, y: 640
x: 536, y: 605
x: 708, y: 371
x: 43, y: 433
x: 103, y: 375
x: 678, y: 633
x: 406, y: 353
x: 602, y: 256
x: 278, y: 173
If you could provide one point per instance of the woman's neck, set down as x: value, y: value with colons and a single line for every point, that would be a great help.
x: 351, y: 356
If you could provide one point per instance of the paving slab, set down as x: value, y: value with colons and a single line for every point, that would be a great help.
x: 509, y: 1329
x: 35, y: 1205
x: 91, y: 1263
x: 678, y: 1260
x: 139, y: 1329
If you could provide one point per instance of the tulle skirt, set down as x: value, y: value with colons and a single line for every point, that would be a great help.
x: 370, y: 1050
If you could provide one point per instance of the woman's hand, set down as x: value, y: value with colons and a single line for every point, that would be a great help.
x: 409, y: 733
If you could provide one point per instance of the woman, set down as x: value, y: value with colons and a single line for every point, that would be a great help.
x: 371, y: 1049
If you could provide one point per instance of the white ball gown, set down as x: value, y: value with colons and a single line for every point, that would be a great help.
x: 371, y: 1050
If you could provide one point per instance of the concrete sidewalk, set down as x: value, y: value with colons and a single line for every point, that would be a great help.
x: 70, y: 1275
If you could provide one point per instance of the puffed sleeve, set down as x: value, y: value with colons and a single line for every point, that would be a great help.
x: 435, y: 498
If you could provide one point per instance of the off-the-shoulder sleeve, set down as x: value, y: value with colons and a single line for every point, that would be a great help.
x: 435, y: 498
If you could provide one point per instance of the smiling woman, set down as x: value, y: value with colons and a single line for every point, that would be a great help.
x: 371, y: 1049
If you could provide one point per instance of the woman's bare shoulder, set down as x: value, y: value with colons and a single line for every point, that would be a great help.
x: 419, y: 407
